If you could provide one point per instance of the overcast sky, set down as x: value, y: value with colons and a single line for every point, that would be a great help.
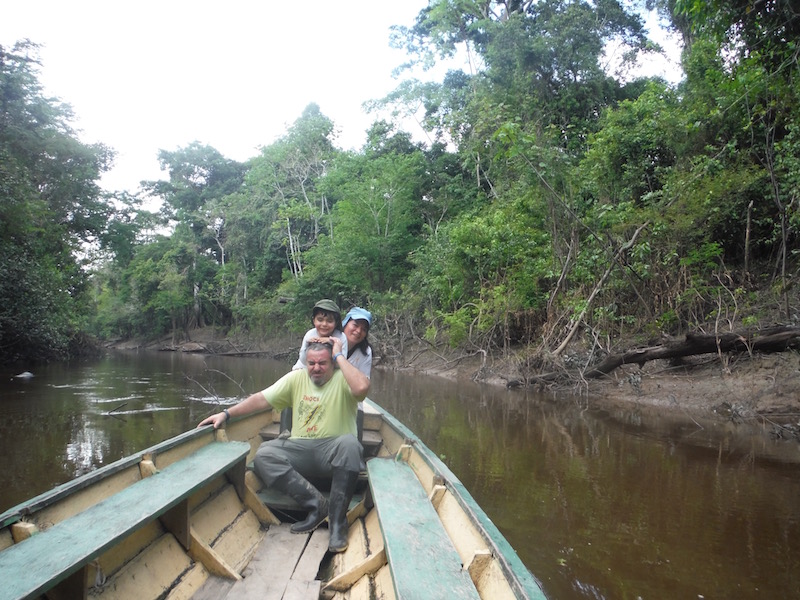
x: 149, y: 75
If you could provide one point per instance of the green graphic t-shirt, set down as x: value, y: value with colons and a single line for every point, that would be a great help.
x: 318, y: 412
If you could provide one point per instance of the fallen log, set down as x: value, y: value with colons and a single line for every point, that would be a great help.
x: 774, y: 339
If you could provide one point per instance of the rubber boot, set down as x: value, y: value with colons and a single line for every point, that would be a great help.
x: 286, y: 423
x: 308, y: 497
x: 342, y: 488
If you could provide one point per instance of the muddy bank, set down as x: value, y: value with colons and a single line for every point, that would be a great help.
x: 741, y: 387
x: 749, y: 406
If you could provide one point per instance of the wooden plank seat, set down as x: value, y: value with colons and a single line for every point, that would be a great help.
x: 422, y: 559
x: 59, y: 555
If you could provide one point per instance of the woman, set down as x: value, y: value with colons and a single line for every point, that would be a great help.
x: 356, y: 325
x: 356, y: 328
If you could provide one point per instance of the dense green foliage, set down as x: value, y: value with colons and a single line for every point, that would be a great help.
x: 554, y: 193
x: 50, y: 209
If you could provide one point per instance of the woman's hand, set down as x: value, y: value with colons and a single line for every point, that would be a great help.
x: 334, y: 342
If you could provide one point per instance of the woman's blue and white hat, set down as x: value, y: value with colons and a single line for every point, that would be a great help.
x: 358, y: 313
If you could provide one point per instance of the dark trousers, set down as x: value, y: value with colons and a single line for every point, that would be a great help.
x: 311, y: 458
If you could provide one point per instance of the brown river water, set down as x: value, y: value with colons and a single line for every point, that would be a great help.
x: 627, y: 505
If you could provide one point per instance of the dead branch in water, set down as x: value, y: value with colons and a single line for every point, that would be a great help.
x: 113, y: 410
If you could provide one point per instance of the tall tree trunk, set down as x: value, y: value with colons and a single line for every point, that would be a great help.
x: 747, y: 238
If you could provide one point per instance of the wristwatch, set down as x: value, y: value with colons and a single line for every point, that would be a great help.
x: 336, y: 356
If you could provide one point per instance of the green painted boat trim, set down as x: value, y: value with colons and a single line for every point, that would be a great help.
x: 47, y: 558
x: 524, y: 583
x: 423, y: 561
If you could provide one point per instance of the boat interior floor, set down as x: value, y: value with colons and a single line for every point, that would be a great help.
x: 285, y: 566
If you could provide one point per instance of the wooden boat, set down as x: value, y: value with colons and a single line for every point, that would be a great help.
x: 188, y: 519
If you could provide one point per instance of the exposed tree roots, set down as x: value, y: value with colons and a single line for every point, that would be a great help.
x: 774, y: 339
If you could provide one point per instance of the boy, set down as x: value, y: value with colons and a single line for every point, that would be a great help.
x: 327, y: 322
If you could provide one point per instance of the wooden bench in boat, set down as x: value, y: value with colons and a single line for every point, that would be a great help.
x: 60, y: 555
x: 422, y: 559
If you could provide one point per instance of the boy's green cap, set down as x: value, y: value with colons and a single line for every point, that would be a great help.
x: 328, y: 305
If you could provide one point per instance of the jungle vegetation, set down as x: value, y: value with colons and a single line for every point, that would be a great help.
x: 553, y: 196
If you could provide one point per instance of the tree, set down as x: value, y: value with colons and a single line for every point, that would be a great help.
x: 51, y: 208
x: 635, y: 148
x: 199, y: 178
x: 286, y: 177
x: 540, y: 62
x: 757, y: 65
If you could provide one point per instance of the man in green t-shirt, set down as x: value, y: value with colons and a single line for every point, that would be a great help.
x: 324, y: 400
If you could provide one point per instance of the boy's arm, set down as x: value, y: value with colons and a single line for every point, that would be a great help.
x: 301, y: 359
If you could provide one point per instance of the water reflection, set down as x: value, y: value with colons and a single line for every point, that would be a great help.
x: 85, y: 450
x: 72, y: 418
x: 625, y: 504
x: 639, y: 507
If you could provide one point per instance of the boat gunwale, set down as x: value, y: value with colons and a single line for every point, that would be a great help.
x: 523, y: 582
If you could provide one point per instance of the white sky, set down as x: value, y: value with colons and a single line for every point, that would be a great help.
x: 149, y: 75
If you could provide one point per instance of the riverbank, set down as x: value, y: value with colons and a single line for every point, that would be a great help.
x: 740, y: 387
x: 731, y: 387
